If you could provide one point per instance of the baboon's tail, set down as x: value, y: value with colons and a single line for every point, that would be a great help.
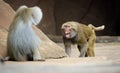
x: 96, y: 28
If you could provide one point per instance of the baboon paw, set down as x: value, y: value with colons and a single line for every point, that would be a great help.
x: 39, y: 59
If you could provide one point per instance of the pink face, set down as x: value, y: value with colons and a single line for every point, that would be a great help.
x: 67, y: 31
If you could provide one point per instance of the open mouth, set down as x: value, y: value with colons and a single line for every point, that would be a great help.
x: 67, y: 35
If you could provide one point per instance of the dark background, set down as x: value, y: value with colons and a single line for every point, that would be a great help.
x: 56, y: 12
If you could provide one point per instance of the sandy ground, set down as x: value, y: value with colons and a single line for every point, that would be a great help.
x: 107, y: 60
x: 109, y: 50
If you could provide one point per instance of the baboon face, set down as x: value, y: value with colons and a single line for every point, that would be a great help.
x: 68, y: 32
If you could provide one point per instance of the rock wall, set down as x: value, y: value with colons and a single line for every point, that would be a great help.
x: 6, y: 15
x: 96, y: 12
x: 47, y: 24
x: 56, y: 12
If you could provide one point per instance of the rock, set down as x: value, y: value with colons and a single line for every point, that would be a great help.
x: 6, y: 16
x: 49, y: 49
x: 3, y: 45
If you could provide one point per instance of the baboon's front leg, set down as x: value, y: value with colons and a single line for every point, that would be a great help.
x: 83, y: 50
x: 37, y: 55
x: 68, y: 49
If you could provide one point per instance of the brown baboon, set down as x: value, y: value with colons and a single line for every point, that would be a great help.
x: 82, y: 35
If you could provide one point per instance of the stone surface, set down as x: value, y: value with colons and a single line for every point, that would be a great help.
x: 64, y: 65
x: 6, y: 15
x: 56, y: 12
x: 49, y: 49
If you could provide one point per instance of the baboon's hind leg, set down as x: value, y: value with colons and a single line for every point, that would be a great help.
x: 90, y: 50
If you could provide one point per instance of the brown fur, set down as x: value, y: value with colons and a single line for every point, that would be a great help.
x: 82, y: 35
